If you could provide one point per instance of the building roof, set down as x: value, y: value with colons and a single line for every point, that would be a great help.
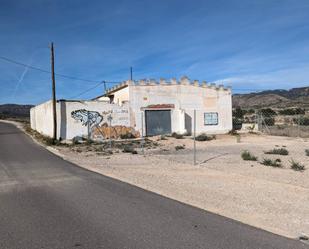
x: 150, y: 82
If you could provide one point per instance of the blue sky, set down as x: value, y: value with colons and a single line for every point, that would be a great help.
x: 248, y: 44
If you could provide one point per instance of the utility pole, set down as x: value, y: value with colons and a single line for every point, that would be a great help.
x: 104, y: 82
x: 131, y: 73
x: 53, y: 90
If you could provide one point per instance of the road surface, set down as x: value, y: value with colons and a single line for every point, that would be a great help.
x: 46, y: 202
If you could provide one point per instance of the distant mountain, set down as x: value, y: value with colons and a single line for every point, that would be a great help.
x: 295, y: 97
x: 15, y: 111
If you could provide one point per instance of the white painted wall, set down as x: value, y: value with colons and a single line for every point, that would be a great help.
x: 72, y: 127
x: 121, y: 96
x: 67, y: 126
x: 41, y: 118
x: 185, y: 97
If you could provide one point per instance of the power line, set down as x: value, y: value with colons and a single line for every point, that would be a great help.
x: 46, y: 71
x: 88, y: 90
x: 93, y: 81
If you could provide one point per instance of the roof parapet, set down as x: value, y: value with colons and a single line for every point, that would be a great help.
x: 163, y: 81
x: 196, y: 83
x: 204, y: 84
x: 152, y: 82
x: 183, y: 81
x: 174, y: 81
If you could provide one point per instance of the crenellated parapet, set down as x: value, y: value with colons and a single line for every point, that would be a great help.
x: 163, y: 82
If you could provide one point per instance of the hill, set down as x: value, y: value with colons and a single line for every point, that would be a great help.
x: 295, y: 97
x: 15, y: 111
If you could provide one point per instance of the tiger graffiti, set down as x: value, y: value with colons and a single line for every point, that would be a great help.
x: 104, y: 125
x: 115, y: 132
x: 90, y: 118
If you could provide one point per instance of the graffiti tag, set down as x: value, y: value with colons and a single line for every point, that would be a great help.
x: 87, y: 117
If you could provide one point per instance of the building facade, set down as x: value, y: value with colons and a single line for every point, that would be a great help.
x: 144, y: 108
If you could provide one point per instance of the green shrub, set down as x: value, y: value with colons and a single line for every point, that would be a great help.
x: 233, y: 132
x: 297, y: 166
x: 238, y: 113
x: 247, y: 156
x: 128, y: 135
x: 50, y: 141
x: 269, y: 121
x: 179, y: 147
x: 203, y: 137
x: 129, y: 149
x: 163, y: 137
x: 273, y: 163
x: 292, y: 111
x: 267, y: 112
x: 301, y: 121
x: 281, y: 151
x: 237, y: 123
x: 177, y: 135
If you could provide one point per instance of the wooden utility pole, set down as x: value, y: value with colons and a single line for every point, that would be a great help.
x: 131, y: 73
x: 53, y: 91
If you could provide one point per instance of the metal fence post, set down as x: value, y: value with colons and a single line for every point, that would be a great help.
x: 194, y: 135
x: 110, y: 131
x: 142, y: 141
x: 88, y: 126
x: 298, y: 125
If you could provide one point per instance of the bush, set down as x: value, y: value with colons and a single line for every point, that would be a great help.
x: 179, y: 147
x: 233, y: 132
x: 203, y: 137
x: 297, y: 166
x: 128, y: 135
x: 281, y: 151
x: 177, y: 136
x: 129, y: 149
x: 301, y: 121
x: 247, y: 156
x: 267, y: 112
x: 292, y: 111
x: 237, y: 123
x: 50, y: 141
x: 307, y: 152
x: 77, y: 140
x: 273, y: 163
x: 238, y: 113
x: 269, y: 121
x: 162, y: 137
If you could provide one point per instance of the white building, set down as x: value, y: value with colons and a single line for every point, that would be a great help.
x: 143, y: 107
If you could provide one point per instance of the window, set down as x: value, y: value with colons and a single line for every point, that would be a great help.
x: 210, y: 118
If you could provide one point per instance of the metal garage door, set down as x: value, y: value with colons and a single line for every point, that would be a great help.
x: 158, y: 122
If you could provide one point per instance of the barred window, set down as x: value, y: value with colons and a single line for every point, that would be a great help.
x: 210, y: 118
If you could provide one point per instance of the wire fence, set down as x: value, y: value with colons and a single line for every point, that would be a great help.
x: 274, y: 137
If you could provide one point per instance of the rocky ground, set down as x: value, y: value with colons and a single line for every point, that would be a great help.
x: 275, y: 199
x: 272, y: 198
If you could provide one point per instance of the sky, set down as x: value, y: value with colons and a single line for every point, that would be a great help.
x: 250, y: 45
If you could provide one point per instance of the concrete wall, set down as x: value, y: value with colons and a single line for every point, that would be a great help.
x: 185, y: 96
x: 130, y: 103
x: 120, y: 96
x: 41, y: 118
x: 73, y: 116
x: 74, y: 127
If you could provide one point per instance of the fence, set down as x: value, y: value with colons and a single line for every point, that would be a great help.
x: 272, y: 123
x: 284, y: 138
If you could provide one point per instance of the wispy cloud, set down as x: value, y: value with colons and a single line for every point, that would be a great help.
x: 261, y: 44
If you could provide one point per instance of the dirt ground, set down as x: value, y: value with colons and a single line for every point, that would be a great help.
x: 274, y: 199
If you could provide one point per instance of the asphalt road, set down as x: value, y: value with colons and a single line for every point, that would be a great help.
x: 46, y: 202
